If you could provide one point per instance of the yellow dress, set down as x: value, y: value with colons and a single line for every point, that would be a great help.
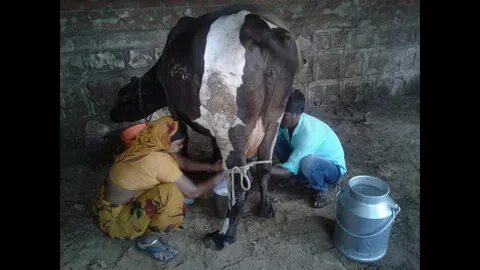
x: 148, y: 168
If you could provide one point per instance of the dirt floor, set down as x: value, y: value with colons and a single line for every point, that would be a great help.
x: 380, y: 138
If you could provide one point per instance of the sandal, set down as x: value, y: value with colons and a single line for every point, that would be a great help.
x: 159, y: 250
x: 319, y: 200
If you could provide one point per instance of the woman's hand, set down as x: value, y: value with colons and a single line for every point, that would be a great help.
x: 192, y: 191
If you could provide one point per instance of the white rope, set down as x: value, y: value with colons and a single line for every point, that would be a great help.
x: 243, y: 174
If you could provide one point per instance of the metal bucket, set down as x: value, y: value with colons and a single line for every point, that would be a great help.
x: 221, y: 198
x: 365, y: 214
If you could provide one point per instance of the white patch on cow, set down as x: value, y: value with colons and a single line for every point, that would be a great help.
x: 223, y: 51
x: 224, y: 60
x: 224, y: 229
x: 222, y: 125
x: 271, y: 25
x: 275, y: 138
x: 205, y: 120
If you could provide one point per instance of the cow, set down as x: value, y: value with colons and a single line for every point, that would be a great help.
x: 228, y: 75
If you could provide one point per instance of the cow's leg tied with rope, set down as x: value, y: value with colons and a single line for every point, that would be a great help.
x: 227, y: 234
x: 265, y: 208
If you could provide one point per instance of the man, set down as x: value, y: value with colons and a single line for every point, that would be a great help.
x: 309, y: 151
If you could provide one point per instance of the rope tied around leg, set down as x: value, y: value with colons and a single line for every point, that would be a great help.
x: 242, y: 171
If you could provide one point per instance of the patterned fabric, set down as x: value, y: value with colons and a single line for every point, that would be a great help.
x: 161, y: 208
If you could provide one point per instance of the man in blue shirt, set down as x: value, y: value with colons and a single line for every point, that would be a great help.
x: 309, y: 150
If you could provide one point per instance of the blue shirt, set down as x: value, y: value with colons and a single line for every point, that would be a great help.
x: 312, y: 137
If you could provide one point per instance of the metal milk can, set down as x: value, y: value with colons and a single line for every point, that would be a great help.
x: 365, y: 214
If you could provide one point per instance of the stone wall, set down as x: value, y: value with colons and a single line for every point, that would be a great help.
x: 351, y: 50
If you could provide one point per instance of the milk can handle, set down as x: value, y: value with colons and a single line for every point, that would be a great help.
x: 339, y: 191
x: 396, y: 210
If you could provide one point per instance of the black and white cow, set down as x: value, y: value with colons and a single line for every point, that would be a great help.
x: 227, y: 74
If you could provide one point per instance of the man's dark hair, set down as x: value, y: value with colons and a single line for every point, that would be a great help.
x: 296, y: 102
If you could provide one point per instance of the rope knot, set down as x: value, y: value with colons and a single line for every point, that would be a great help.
x: 243, y: 172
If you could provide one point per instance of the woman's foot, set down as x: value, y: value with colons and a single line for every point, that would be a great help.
x: 159, y: 250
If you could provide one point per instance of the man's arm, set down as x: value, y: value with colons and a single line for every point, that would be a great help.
x: 281, y: 172
x: 303, y: 149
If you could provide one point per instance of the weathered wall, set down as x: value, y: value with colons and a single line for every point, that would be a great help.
x: 352, y: 50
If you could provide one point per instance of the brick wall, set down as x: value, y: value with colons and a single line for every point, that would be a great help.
x: 351, y: 50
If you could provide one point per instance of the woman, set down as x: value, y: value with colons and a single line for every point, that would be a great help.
x: 145, y: 188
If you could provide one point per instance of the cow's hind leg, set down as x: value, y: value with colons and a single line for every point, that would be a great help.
x: 227, y: 234
x: 266, y: 208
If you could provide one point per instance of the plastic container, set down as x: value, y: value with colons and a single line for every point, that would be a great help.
x: 128, y: 135
x: 221, y: 198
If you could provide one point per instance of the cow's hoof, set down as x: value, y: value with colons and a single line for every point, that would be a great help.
x: 266, y: 210
x: 216, y: 241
